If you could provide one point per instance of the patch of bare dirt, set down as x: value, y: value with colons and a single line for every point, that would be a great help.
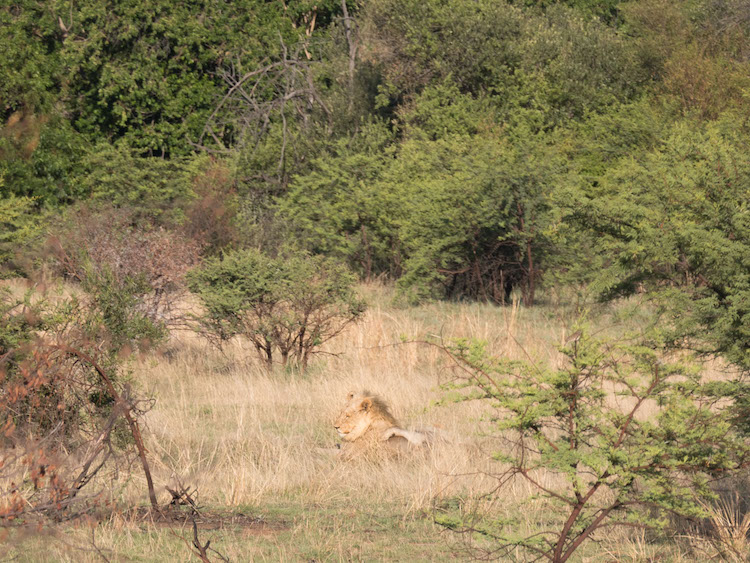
x: 172, y: 517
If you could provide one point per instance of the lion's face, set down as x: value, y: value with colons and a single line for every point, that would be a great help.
x: 355, y: 419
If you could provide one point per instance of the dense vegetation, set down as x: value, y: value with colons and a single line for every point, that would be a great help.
x: 463, y: 150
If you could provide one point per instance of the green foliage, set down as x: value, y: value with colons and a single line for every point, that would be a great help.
x: 574, y: 66
x: 30, y: 41
x: 625, y: 436
x: 19, y: 321
x: 116, y: 318
x: 442, y: 110
x: 153, y: 188
x: 40, y: 157
x: 475, y: 214
x: 18, y: 227
x: 290, y: 305
x: 599, y: 142
x: 149, y: 74
x: 676, y: 222
x: 555, y: 63
x: 143, y: 77
x: 340, y: 210
x: 425, y: 42
x: 697, y: 50
x: 607, y: 10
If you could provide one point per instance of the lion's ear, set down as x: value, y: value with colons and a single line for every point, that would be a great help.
x: 366, y: 404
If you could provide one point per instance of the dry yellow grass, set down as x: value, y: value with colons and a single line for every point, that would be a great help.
x: 246, y: 439
x: 241, y: 435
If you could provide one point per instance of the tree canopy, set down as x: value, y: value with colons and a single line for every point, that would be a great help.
x: 465, y: 150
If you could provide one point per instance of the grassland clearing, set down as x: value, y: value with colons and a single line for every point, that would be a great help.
x: 250, y: 443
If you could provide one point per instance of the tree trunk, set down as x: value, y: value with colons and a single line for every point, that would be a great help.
x: 531, y: 284
x: 352, y: 51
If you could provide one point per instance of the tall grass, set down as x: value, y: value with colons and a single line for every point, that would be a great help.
x: 242, y: 435
x: 246, y: 438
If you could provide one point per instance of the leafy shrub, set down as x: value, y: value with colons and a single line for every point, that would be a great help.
x: 675, y: 222
x: 18, y: 227
x: 473, y: 215
x: 40, y: 157
x: 339, y: 209
x: 153, y: 189
x: 619, y: 435
x: 555, y: 61
x: 704, y: 85
x: 286, y: 305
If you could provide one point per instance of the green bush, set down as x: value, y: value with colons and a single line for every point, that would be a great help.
x: 618, y: 435
x: 473, y: 215
x: 116, y: 310
x: 286, y: 305
x: 153, y: 188
x: 18, y: 228
x: 339, y: 209
x: 40, y: 157
x: 675, y: 221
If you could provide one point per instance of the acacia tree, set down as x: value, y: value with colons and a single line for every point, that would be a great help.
x: 474, y: 214
x: 629, y: 435
x: 286, y: 305
x: 675, y: 222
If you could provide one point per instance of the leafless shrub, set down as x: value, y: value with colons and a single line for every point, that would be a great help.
x: 59, y: 432
x: 106, y: 241
x: 182, y: 496
x: 211, y: 216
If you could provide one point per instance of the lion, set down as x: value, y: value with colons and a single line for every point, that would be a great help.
x: 366, y: 423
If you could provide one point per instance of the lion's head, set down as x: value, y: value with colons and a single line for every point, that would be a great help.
x: 363, y: 414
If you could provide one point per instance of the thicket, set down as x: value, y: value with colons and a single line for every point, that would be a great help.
x: 433, y: 144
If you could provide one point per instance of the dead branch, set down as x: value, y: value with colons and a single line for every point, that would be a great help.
x: 281, y: 94
x: 132, y: 423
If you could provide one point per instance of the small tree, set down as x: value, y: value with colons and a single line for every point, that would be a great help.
x: 286, y: 305
x: 628, y: 436
x: 66, y: 411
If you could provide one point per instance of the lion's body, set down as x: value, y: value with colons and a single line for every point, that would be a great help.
x: 366, y: 425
